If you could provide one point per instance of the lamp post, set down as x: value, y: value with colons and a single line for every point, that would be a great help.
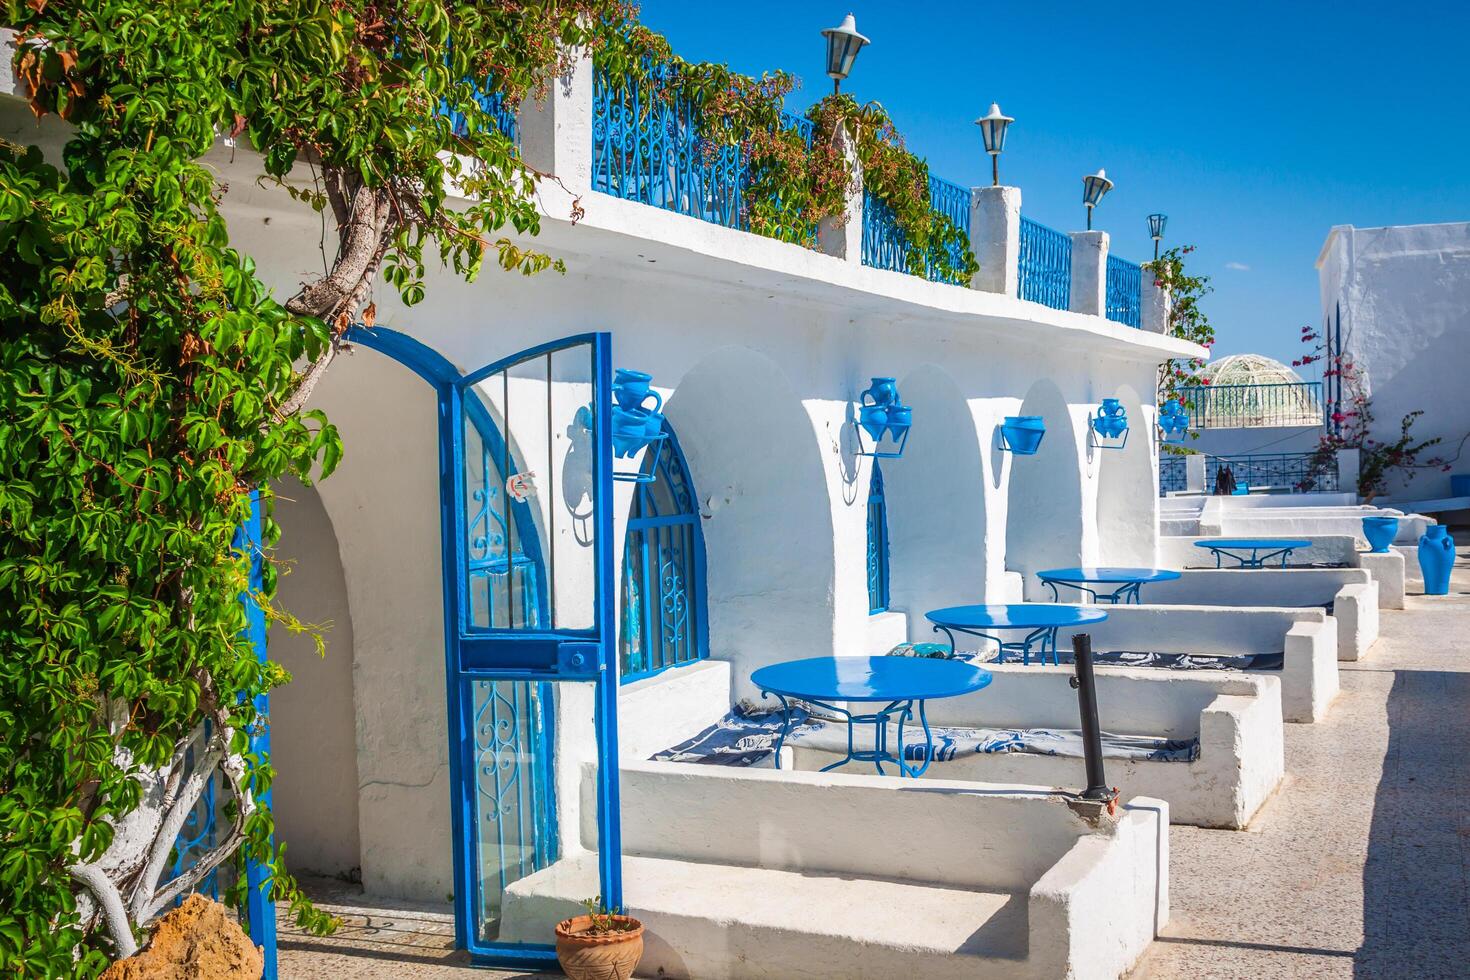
x: 1156, y: 224
x: 1094, y: 186
x: 843, y: 44
x: 993, y: 126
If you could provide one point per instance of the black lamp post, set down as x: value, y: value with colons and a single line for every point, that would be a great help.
x: 1094, y: 186
x: 1156, y: 224
x: 993, y: 126
x: 843, y: 45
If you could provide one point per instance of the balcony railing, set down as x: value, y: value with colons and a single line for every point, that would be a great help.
x: 1253, y: 406
x: 1045, y: 265
x: 884, y: 244
x: 494, y: 104
x: 1172, y: 474
x: 1282, y: 472
x: 1124, y: 289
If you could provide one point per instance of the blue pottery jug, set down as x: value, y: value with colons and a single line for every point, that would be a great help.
x: 631, y: 389
x: 1022, y: 433
x: 1380, y: 532
x: 873, y: 419
x: 629, y: 430
x: 1112, y: 419
x: 900, y: 417
x: 883, y: 391
x: 1436, y: 559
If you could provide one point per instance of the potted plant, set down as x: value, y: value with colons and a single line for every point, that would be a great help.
x: 601, y: 945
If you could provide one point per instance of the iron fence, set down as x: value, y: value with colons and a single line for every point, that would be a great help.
x: 1172, y: 477
x: 492, y: 103
x: 1253, y: 406
x: 886, y: 247
x: 1124, y: 291
x: 1045, y: 265
x: 1289, y: 472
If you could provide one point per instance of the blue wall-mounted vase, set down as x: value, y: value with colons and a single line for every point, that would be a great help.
x: 1021, y: 434
x: 900, y: 417
x: 631, y: 389
x: 1436, y: 559
x: 631, y: 429
x: 1380, y: 532
x: 873, y: 419
x: 1174, y: 420
x: 1111, y: 420
x: 882, y: 391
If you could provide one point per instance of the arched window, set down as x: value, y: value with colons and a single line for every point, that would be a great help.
x: 663, y: 622
x: 877, y: 544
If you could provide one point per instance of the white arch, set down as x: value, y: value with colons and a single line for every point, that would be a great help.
x: 936, y: 503
x: 767, y: 518
x: 1046, y: 513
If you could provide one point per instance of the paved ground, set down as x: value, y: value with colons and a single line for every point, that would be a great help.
x: 1359, y: 867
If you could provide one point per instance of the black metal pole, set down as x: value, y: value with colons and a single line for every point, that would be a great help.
x: 995, y: 170
x: 1097, y: 781
x: 1089, y: 217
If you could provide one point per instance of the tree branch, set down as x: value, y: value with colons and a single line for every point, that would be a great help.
x: 119, y: 927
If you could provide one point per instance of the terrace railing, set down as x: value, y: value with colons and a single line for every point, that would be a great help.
x: 1286, y: 472
x: 1124, y: 291
x: 884, y: 244
x: 494, y: 104
x: 1173, y: 476
x: 1253, y: 406
x: 1045, y: 265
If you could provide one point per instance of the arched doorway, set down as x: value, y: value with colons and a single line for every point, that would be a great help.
x: 664, y: 620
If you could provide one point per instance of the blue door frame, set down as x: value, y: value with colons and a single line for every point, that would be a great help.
x: 517, y: 653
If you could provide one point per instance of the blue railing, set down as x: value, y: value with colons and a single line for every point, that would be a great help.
x: 1045, y: 265
x: 886, y: 247
x: 1282, y: 472
x: 1253, y: 406
x: 1124, y: 292
x: 493, y: 103
x: 1172, y: 475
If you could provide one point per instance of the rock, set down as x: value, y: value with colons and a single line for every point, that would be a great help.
x: 196, y: 941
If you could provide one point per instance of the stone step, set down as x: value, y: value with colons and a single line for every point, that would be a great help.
x: 702, y: 918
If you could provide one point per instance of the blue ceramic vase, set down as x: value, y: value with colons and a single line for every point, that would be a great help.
x: 1022, y: 433
x: 1436, y: 559
x: 1380, y: 532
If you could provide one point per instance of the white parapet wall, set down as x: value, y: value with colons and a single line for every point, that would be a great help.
x: 1180, y: 551
x: 1346, y: 589
x: 746, y: 873
x: 1236, y: 717
x: 1389, y: 571
x: 1312, y: 522
x: 1306, y: 638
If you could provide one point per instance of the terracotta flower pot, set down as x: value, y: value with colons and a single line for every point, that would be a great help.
x: 585, y: 956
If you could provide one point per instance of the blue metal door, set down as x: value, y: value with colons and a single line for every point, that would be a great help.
x: 529, y: 620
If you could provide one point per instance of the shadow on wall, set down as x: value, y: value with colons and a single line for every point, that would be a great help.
x: 1127, y: 495
x: 1415, y: 891
x: 936, y: 502
x: 1044, y: 510
x: 313, y: 729
x: 765, y: 511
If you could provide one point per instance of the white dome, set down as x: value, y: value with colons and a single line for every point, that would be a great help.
x: 1250, y: 369
x: 1249, y: 390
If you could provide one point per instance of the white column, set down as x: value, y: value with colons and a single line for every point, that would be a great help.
x: 1194, y: 473
x: 1347, y: 470
x: 995, y: 239
x: 9, y: 84
x: 556, y: 129
x: 1090, y: 272
x: 842, y: 235
x: 1156, y: 303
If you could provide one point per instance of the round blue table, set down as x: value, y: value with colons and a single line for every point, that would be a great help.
x: 1042, y: 619
x: 899, y: 684
x: 1127, y: 581
x: 1273, y: 548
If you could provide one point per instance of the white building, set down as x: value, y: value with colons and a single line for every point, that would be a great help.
x: 1397, y: 301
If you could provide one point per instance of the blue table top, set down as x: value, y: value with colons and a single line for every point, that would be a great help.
x: 1254, y: 543
x: 1020, y: 615
x: 1108, y: 574
x: 870, y: 678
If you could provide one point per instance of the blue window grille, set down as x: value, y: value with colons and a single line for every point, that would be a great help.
x: 198, y: 836
x: 1045, y: 265
x: 663, y: 594
x: 1282, y: 472
x: 1172, y: 475
x: 1254, y: 406
x: 885, y: 246
x: 877, y: 544
x: 1124, y: 291
x: 493, y: 103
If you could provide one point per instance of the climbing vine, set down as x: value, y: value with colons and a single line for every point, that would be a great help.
x: 1187, y: 321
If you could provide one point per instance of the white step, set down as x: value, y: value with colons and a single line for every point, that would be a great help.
x: 708, y: 920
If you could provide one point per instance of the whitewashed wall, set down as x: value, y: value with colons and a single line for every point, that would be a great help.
x: 1404, y: 293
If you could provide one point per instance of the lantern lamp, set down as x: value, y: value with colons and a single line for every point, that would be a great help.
x: 1094, y: 186
x: 993, y: 127
x: 1156, y: 224
x: 843, y: 44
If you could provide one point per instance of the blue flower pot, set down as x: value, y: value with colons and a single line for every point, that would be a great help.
x: 900, y: 417
x: 631, y: 389
x: 873, y: 419
x: 630, y: 430
x: 1436, y: 559
x: 1380, y: 532
x: 883, y: 391
x: 1021, y: 434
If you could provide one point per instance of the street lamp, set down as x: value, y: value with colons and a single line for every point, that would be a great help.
x: 1094, y: 186
x: 1156, y: 224
x: 993, y: 127
x: 843, y: 45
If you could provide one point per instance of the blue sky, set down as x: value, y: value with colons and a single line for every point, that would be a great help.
x: 1255, y: 126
